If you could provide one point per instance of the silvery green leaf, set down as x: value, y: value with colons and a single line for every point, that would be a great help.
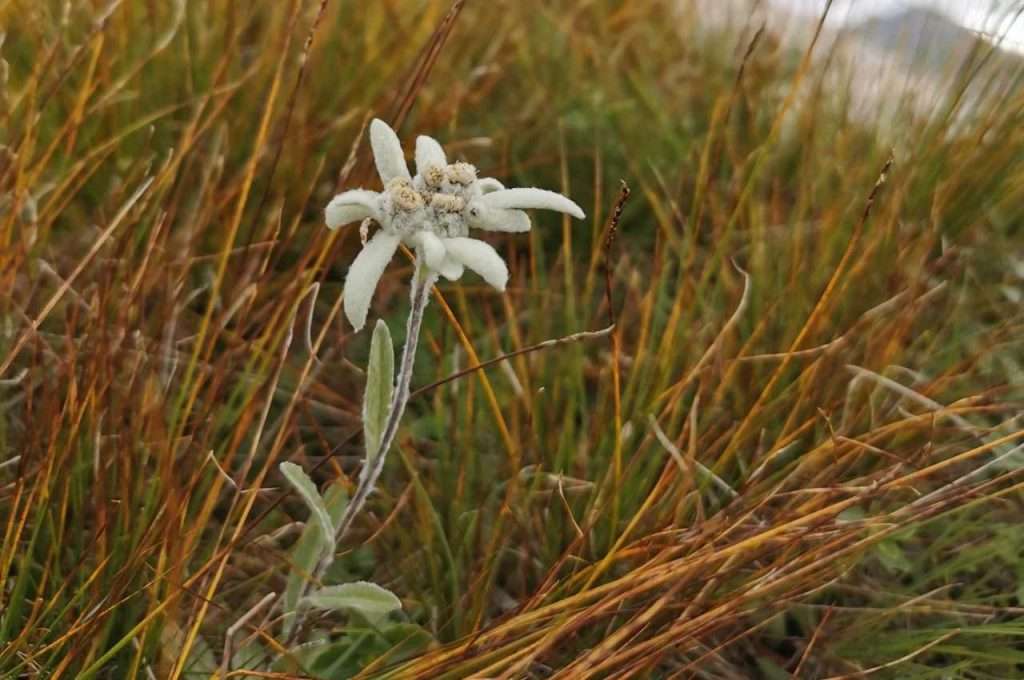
x: 307, y: 490
x: 364, y: 597
x: 380, y: 384
x: 306, y: 553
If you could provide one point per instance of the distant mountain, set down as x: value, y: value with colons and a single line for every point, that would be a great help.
x: 921, y: 36
x: 909, y: 62
x: 913, y: 61
x: 924, y: 38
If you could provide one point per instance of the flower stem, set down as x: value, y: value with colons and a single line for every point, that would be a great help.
x: 423, y: 282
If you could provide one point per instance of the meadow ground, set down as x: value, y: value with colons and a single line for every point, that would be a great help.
x: 793, y: 456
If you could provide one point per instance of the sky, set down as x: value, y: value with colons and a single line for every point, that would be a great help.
x: 991, y: 17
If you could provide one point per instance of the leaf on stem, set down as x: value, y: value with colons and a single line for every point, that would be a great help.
x: 366, y: 598
x: 306, y: 553
x: 307, y: 490
x: 380, y: 385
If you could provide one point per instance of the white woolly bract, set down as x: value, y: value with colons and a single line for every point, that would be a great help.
x: 352, y: 206
x: 526, y: 199
x: 387, y: 152
x: 364, y: 274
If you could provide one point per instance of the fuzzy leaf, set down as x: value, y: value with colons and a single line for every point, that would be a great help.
x: 307, y: 490
x: 380, y: 384
x: 306, y: 553
x: 369, y: 599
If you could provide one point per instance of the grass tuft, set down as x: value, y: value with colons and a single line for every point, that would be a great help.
x: 792, y: 455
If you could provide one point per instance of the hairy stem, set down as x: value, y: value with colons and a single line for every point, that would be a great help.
x: 423, y: 282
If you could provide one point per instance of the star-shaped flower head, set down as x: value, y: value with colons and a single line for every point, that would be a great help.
x: 431, y: 213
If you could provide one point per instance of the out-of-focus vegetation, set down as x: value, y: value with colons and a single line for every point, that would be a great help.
x: 792, y: 458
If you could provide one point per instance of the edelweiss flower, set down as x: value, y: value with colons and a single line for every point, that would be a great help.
x: 432, y: 213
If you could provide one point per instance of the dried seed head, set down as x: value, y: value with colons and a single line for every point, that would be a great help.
x: 404, y: 196
x: 447, y: 203
x: 461, y: 173
x: 434, y: 176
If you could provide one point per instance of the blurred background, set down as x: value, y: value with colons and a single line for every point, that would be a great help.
x: 795, y: 454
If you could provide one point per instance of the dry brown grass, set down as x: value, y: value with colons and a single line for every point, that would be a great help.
x: 828, y: 360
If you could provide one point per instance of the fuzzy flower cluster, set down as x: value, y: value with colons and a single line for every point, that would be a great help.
x: 431, y: 212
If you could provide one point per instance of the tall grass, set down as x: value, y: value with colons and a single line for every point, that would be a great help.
x: 766, y: 470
